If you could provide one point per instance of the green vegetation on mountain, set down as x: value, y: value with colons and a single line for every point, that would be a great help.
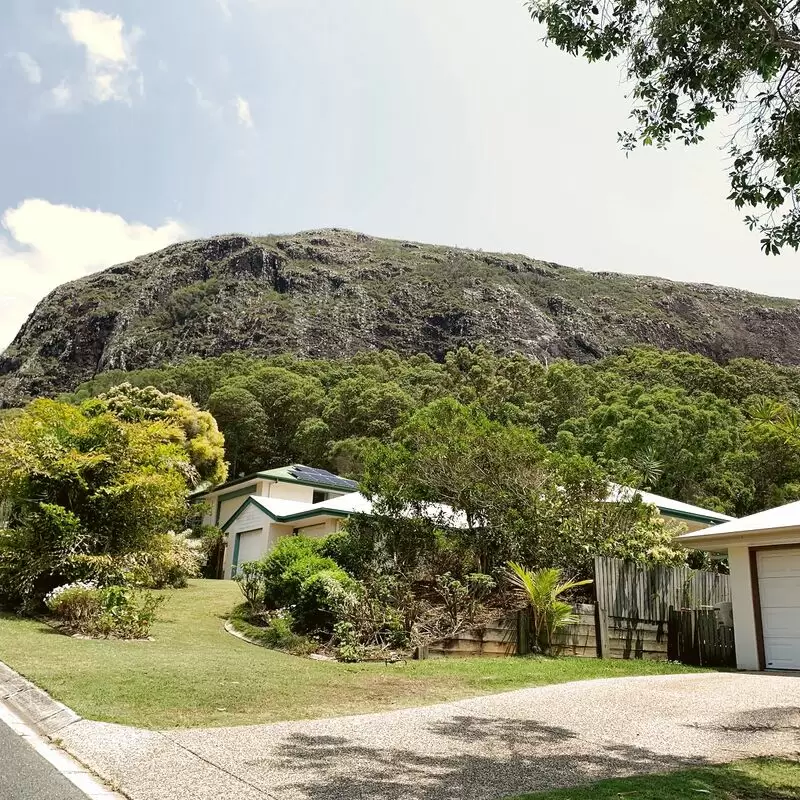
x: 333, y: 294
x: 685, y: 426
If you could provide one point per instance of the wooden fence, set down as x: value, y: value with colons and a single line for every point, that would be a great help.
x: 697, y: 637
x: 634, y: 618
x: 627, y: 591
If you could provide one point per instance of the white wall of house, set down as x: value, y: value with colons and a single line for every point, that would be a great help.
x: 320, y: 529
x: 290, y: 491
x: 766, y: 622
x: 744, y: 617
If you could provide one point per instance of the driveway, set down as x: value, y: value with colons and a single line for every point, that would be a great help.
x: 487, y: 747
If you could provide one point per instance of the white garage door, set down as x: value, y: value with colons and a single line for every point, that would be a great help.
x: 251, y: 546
x: 779, y: 587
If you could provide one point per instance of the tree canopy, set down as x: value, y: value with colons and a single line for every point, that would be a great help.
x: 687, y: 426
x: 78, y: 483
x: 692, y: 61
x: 195, y: 430
x: 516, y: 499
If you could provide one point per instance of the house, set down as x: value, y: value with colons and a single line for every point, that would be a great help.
x: 764, y: 556
x: 257, y: 510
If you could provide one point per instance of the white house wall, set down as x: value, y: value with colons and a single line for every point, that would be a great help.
x: 744, y: 618
x: 291, y: 491
x: 321, y: 529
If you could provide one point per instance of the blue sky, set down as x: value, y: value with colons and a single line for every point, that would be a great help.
x: 129, y: 125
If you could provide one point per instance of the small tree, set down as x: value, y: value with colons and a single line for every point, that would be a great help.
x: 81, y: 483
x: 541, y: 590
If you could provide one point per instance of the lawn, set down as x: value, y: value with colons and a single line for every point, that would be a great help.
x: 759, y: 779
x: 195, y: 674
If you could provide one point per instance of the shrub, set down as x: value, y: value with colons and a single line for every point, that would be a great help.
x: 250, y: 578
x: 286, y: 589
x: 463, y: 599
x: 541, y: 589
x: 173, y: 559
x: 111, y: 611
x: 272, y: 629
x: 128, y: 614
x: 277, y: 579
x: 78, y: 605
x: 349, y: 646
x: 322, y: 595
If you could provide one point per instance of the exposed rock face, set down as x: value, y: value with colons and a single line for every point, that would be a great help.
x: 332, y: 293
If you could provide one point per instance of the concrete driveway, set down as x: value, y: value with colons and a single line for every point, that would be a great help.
x: 487, y: 747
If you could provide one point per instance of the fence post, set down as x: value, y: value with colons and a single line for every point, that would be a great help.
x: 601, y: 632
x: 673, y: 651
x: 523, y: 632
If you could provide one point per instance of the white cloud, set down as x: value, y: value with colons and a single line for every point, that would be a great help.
x: 61, y: 95
x: 48, y: 244
x: 30, y: 67
x: 203, y: 101
x: 243, y: 112
x: 225, y: 7
x: 110, y: 60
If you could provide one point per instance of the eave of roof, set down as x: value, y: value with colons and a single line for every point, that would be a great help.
x: 779, y: 521
x: 669, y: 507
x: 262, y: 504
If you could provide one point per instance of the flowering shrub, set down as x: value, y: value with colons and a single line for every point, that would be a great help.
x: 77, y: 605
x: 110, y: 611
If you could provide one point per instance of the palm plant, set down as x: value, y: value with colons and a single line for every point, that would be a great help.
x: 541, y: 589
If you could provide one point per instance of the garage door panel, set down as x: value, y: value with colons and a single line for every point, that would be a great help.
x: 779, y: 563
x: 782, y: 653
x: 779, y: 590
x: 251, y: 545
x: 780, y: 621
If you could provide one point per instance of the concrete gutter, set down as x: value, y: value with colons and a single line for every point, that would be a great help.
x: 35, y: 717
x: 33, y: 704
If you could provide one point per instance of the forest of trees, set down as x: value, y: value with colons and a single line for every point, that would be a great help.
x: 721, y: 436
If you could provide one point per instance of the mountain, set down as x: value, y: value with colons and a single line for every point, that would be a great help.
x: 332, y: 293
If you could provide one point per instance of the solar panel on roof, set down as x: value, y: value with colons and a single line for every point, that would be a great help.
x: 323, y: 478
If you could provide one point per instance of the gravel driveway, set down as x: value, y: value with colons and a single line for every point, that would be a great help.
x: 487, y: 747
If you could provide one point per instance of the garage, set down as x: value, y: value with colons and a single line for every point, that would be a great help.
x: 779, y: 596
x: 249, y: 546
x: 763, y: 552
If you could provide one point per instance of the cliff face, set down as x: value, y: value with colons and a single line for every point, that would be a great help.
x: 332, y: 293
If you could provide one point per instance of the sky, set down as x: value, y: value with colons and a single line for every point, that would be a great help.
x: 128, y: 126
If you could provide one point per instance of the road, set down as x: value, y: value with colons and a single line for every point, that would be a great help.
x: 25, y: 775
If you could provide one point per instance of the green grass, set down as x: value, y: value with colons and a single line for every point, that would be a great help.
x: 194, y: 673
x: 758, y: 779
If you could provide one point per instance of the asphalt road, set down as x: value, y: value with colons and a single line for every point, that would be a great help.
x: 25, y: 775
